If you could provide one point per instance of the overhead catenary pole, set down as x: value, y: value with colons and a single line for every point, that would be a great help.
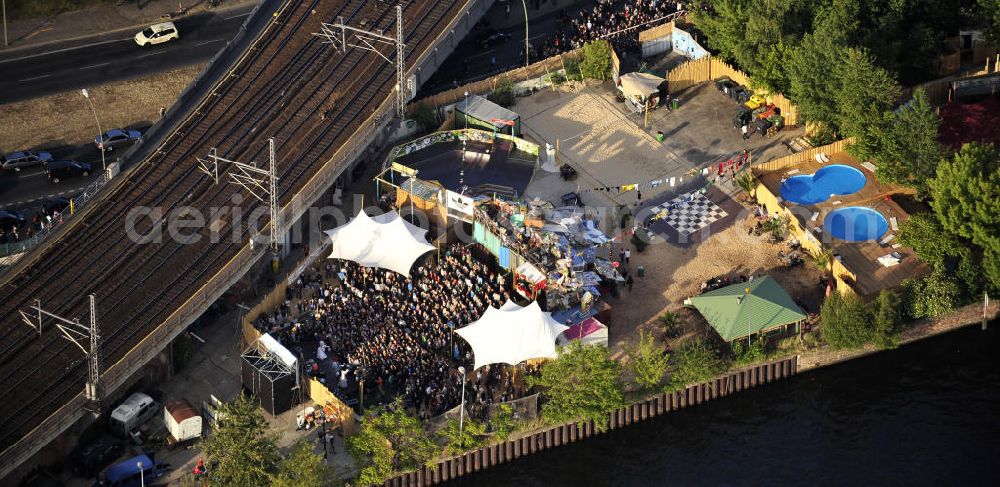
x: 4, y: 2
x: 261, y: 184
x: 76, y: 333
x: 337, y: 36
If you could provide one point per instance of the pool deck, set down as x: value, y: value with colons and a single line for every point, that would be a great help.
x: 859, y: 257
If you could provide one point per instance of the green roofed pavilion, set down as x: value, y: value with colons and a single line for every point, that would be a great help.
x: 746, y: 308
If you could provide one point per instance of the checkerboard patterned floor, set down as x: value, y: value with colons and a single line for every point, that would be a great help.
x: 691, y: 213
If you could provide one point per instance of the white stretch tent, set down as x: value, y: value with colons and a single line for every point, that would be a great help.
x: 512, y: 334
x: 387, y: 241
x: 641, y: 84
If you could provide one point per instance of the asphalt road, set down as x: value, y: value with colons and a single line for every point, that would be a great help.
x: 97, y: 60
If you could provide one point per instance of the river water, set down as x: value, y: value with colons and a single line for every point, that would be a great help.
x: 925, y: 414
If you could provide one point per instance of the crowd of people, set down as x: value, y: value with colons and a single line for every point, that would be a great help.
x: 396, y: 332
x: 611, y: 20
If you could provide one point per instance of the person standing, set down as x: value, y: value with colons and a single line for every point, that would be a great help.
x: 628, y: 255
x: 746, y: 132
x: 629, y: 282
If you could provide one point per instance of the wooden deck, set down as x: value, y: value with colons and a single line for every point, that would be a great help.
x: 858, y: 257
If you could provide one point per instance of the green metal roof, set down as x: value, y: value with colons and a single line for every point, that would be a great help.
x: 734, y: 312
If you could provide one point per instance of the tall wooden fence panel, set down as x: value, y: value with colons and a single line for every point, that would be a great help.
x: 555, y: 436
x: 697, y: 71
x: 800, y: 157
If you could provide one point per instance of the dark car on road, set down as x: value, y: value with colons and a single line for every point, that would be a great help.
x: 60, y: 170
x: 10, y: 219
x: 114, y: 137
x: 492, y: 37
x: 17, y: 160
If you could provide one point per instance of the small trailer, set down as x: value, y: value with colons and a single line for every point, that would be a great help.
x: 183, y: 422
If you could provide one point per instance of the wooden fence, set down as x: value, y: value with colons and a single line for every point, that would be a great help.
x: 697, y: 71
x: 800, y: 157
x: 939, y: 90
x: 657, y: 32
x: 500, y: 453
x: 545, y: 66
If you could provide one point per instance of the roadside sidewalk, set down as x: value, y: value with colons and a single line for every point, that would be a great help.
x: 130, y: 16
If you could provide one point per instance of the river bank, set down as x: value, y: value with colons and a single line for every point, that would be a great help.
x: 547, y: 437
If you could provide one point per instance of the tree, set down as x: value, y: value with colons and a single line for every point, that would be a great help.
x: 757, y: 36
x: 390, y: 439
x: 867, y: 93
x: 823, y: 261
x: 844, y: 321
x: 457, y: 440
x: 426, y: 117
x: 581, y: 384
x: 967, y: 195
x: 596, y: 60
x: 240, y: 447
x: 372, y: 452
x: 646, y: 361
x: 909, y: 149
x: 887, y: 318
x: 695, y: 361
x: 303, y: 468
x: 942, y: 249
x: 989, y: 13
x: 810, y: 82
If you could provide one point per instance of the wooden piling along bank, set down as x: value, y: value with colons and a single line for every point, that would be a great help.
x: 500, y: 453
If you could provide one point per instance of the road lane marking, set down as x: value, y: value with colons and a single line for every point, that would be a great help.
x: 237, y: 16
x: 36, y: 77
x: 151, y: 54
x: 63, y: 50
x: 95, y: 66
x: 208, y: 42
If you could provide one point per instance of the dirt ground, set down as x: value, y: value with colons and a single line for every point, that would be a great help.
x: 674, y: 273
x: 65, y: 119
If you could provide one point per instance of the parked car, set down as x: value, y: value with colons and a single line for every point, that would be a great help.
x: 493, y: 36
x: 17, y: 160
x: 157, y: 34
x: 59, y: 170
x: 114, y: 137
x: 10, y: 219
x: 88, y: 460
x: 53, y: 205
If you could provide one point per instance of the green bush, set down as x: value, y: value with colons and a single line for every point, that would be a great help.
x: 502, y: 422
x: 888, y: 318
x: 503, y: 94
x: 573, y: 72
x: 845, y: 321
x: 596, y: 60
x: 695, y: 361
x: 557, y: 78
x: 754, y: 352
x: 933, y: 295
x: 426, y: 117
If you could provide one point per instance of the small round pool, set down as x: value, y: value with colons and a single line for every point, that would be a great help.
x: 855, y: 224
x: 835, y: 179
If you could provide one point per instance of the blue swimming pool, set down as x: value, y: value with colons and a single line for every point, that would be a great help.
x: 855, y: 224
x: 809, y: 189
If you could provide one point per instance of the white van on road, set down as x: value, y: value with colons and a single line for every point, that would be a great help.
x: 157, y: 34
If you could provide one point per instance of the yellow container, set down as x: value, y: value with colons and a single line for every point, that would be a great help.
x: 754, y: 102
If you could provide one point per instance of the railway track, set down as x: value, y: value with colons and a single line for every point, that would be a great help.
x: 279, y: 89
